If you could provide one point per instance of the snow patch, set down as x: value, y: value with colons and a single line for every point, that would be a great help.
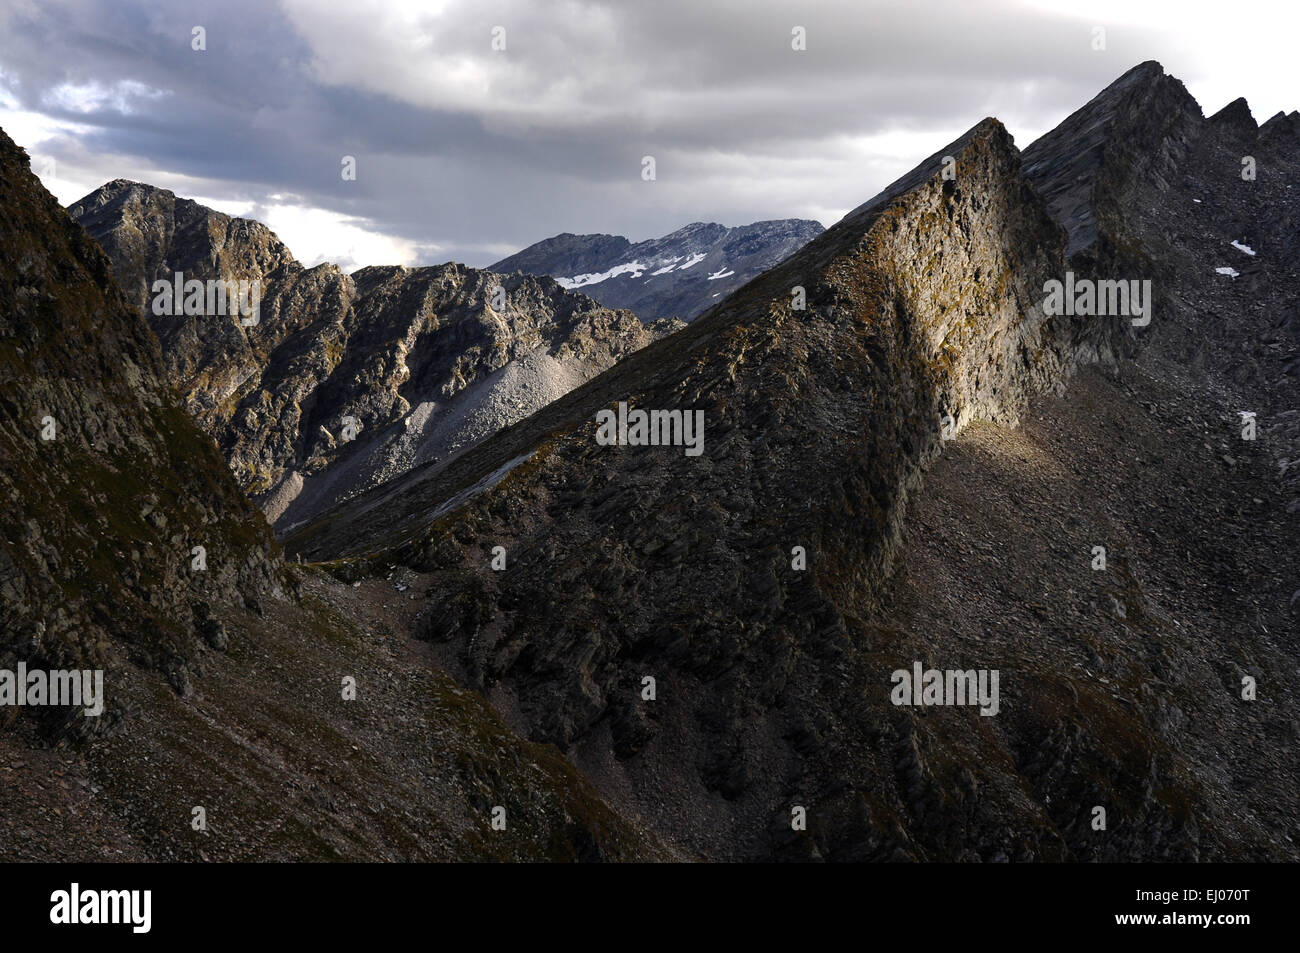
x: 669, y: 265
x: 1197, y: 201
x: 721, y: 273
x: 1230, y: 272
x: 633, y: 268
x: 693, y: 260
x: 487, y: 483
x: 1240, y: 247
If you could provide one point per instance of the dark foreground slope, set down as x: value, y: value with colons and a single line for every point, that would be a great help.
x: 224, y: 687
x: 1121, y: 688
x: 345, y: 381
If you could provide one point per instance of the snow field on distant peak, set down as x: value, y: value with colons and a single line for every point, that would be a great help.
x: 634, y: 268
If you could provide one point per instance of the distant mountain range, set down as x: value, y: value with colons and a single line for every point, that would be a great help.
x: 680, y: 275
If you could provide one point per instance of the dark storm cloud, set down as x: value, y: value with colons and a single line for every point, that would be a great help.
x: 471, y: 153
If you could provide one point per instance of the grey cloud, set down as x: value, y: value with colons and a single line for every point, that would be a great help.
x: 714, y: 92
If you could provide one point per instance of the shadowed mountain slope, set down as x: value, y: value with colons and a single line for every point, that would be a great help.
x: 634, y: 561
x: 107, y: 485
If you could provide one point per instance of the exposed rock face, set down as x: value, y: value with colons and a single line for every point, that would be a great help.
x: 1171, y: 194
x: 149, y: 233
x: 422, y: 360
x: 1199, y: 523
x: 680, y: 275
x: 965, y: 336
x: 1135, y: 675
x: 1132, y: 133
x: 101, y: 519
x: 1120, y: 689
x: 1234, y: 122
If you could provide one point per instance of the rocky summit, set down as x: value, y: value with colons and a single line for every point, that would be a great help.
x: 680, y: 275
x: 964, y: 531
x: 344, y: 381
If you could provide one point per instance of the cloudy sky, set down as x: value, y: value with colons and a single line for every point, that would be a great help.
x: 468, y: 153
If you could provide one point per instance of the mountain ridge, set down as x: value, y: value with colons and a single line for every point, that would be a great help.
x: 418, y: 359
x: 683, y: 273
x: 924, y: 303
x: 123, y: 530
x: 221, y: 671
x: 867, y: 406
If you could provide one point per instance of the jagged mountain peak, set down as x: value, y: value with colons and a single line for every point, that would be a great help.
x: 1237, y: 113
x: 1146, y: 71
x: 1282, y: 116
x: 1282, y: 132
x: 988, y: 127
x: 1235, y: 124
x: 119, y: 192
x: 701, y: 231
x: 1136, y: 129
x: 346, y: 380
x: 147, y: 231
